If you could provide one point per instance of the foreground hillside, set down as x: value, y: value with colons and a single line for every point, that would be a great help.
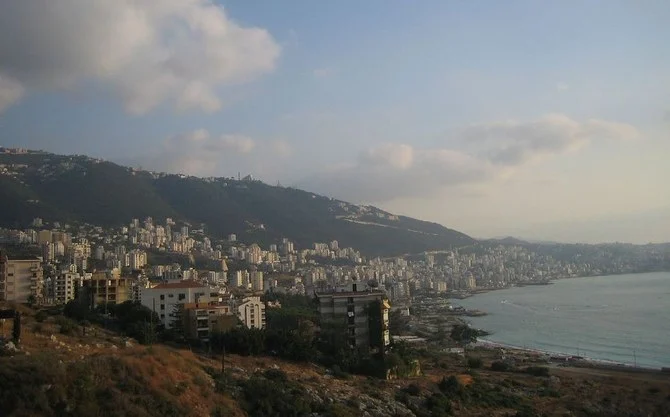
x: 59, y: 371
x: 78, y: 188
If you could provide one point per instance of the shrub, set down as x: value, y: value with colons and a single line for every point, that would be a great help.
x: 451, y: 387
x: 339, y: 373
x: 262, y: 396
x: 439, y: 405
x: 38, y: 328
x: 538, y: 370
x: 276, y: 375
x: 475, y: 363
x: 413, y: 389
x: 41, y: 316
x: 67, y: 326
x: 500, y: 366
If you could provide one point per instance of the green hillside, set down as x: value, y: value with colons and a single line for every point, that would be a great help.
x: 78, y: 188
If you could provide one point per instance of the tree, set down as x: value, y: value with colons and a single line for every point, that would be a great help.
x: 16, y: 331
x: 32, y: 300
x: 463, y: 334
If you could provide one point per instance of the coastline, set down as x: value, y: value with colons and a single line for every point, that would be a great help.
x: 564, y: 359
x: 548, y: 281
x: 614, y: 353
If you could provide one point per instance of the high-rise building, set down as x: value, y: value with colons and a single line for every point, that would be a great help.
x: 107, y: 288
x: 65, y: 285
x: 252, y: 312
x: 364, y: 315
x: 21, y: 279
x: 257, y: 280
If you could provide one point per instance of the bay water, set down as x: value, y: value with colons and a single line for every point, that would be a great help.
x: 618, y: 318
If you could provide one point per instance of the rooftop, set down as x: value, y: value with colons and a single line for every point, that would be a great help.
x: 349, y: 293
x: 180, y: 284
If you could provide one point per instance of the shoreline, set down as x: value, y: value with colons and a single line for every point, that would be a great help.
x: 566, y: 358
x: 549, y: 281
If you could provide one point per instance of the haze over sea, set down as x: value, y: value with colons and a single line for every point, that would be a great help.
x: 621, y: 318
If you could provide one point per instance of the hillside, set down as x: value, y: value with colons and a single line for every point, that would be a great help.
x: 55, y: 372
x: 79, y: 188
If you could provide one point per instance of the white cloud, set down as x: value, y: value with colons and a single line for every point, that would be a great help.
x: 562, y: 87
x: 497, y: 150
x: 282, y: 148
x: 397, y: 156
x: 323, y: 72
x: 10, y: 92
x: 201, y: 153
x: 149, y: 52
x: 515, y: 143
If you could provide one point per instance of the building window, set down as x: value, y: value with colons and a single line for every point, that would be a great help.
x: 182, y: 296
x: 170, y: 295
x: 162, y: 306
x: 350, y: 300
x: 162, y: 296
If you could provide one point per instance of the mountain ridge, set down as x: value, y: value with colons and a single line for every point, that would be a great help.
x: 79, y: 188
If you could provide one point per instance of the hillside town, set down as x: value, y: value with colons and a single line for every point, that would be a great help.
x: 179, y: 272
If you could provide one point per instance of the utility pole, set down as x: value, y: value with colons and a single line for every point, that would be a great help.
x: 223, y: 359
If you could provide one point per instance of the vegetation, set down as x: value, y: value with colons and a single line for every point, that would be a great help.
x: 82, y: 189
x: 537, y: 370
x: 475, y: 363
x: 130, y: 318
x: 500, y: 366
x: 16, y: 330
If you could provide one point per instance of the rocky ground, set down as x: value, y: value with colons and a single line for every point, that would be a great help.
x: 101, y: 373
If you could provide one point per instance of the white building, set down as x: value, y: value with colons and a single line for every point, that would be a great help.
x: 163, y: 299
x: 252, y: 312
x: 65, y: 284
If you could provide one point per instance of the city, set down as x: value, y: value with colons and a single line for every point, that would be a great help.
x: 146, y: 261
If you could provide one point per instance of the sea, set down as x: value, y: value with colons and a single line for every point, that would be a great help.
x: 619, y: 318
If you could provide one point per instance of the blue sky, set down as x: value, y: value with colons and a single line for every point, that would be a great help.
x: 489, y: 117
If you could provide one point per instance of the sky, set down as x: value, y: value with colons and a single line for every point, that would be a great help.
x: 540, y: 120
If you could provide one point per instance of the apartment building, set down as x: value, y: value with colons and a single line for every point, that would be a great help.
x: 251, y: 312
x: 108, y: 288
x: 364, y: 315
x: 201, y: 320
x: 21, y: 279
x: 164, y: 299
x: 65, y: 285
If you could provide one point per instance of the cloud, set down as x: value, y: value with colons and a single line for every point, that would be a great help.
x: 180, y: 52
x: 560, y: 87
x: 323, y: 72
x: 282, y: 148
x: 492, y: 151
x: 516, y: 143
x: 398, y: 170
x: 204, y: 154
x: 10, y: 92
x: 199, y: 153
